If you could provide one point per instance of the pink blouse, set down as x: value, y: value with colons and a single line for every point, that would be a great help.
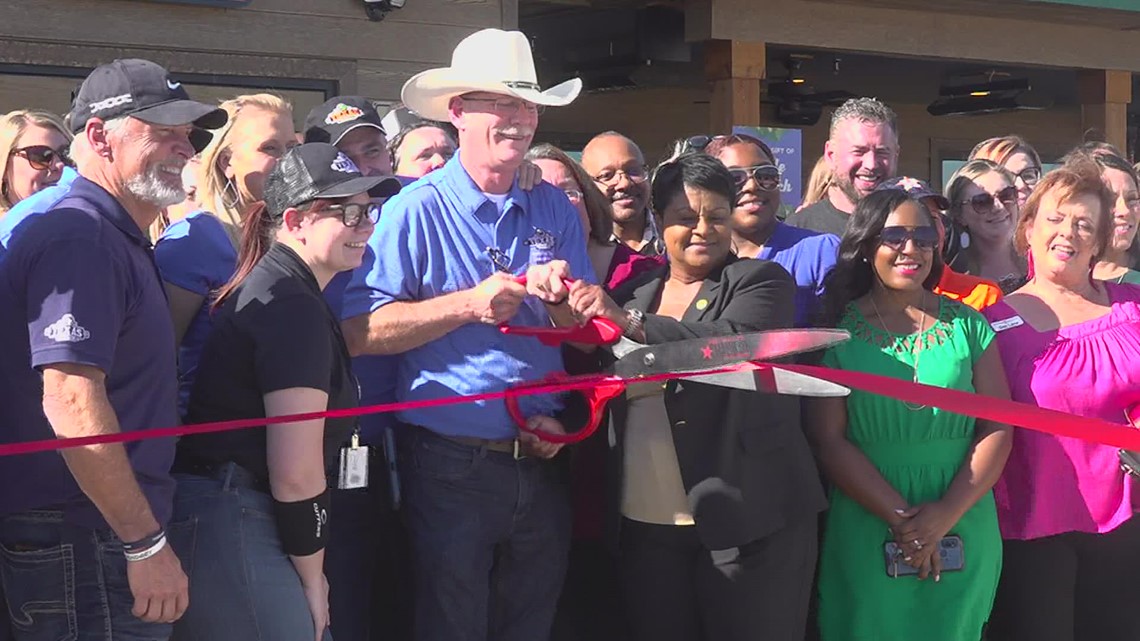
x: 1057, y: 484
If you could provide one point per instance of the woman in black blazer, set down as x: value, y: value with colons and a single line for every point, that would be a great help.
x: 714, y: 494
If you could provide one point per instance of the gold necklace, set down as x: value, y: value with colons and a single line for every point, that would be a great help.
x: 916, y: 351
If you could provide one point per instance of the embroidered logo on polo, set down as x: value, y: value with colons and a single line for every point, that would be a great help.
x: 113, y: 101
x: 343, y: 113
x: 541, y: 245
x: 66, y: 330
x: 343, y: 163
x: 173, y: 86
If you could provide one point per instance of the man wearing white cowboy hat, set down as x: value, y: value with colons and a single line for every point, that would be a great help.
x: 488, y: 520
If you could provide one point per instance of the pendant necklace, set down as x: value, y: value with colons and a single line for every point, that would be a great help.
x: 916, y: 351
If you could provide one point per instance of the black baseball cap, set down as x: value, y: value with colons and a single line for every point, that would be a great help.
x: 916, y: 189
x: 144, y: 90
x: 319, y: 170
x: 332, y: 120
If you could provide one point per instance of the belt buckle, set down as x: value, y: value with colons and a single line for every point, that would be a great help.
x: 517, y: 453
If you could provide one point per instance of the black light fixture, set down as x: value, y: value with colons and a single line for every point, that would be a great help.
x: 986, y: 97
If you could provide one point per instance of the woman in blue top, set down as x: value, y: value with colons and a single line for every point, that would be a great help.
x: 198, y: 254
x: 758, y: 233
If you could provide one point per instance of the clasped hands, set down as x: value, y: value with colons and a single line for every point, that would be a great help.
x: 918, y: 530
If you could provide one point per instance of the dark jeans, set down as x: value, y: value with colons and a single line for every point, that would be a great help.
x: 1069, y: 587
x: 489, y: 539
x: 367, y: 563
x: 63, y: 581
x: 590, y: 608
x: 678, y: 590
x: 243, y: 587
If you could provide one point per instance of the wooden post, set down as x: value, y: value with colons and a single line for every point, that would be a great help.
x: 735, y: 70
x: 1105, y: 95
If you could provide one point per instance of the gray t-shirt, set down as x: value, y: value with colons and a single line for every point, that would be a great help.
x: 822, y: 217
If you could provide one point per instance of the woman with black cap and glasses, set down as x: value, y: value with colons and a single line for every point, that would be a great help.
x: 260, y: 497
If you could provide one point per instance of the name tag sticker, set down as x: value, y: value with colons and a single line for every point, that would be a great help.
x: 1008, y: 323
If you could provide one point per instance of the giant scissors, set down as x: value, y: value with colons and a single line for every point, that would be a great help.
x: 738, y: 361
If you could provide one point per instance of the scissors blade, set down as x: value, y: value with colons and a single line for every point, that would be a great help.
x: 773, y: 380
x: 698, y: 355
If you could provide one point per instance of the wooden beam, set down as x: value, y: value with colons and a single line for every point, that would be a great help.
x: 1105, y: 95
x: 736, y: 72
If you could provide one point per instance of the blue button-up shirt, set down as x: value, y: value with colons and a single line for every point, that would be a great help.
x: 442, y: 235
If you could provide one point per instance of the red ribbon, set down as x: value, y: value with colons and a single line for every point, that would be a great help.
x: 974, y: 405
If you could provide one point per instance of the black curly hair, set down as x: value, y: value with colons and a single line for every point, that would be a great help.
x: 854, y: 272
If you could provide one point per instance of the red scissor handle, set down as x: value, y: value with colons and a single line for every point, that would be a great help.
x: 601, y: 392
x: 598, y: 331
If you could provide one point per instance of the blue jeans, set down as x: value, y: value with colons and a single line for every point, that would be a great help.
x: 243, y: 587
x: 490, y: 537
x: 66, y: 582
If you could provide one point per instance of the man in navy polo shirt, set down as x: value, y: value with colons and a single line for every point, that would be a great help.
x: 487, y: 517
x: 84, y: 326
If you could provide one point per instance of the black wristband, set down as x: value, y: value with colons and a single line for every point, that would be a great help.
x: 145, y: 542
x: 303, y: 526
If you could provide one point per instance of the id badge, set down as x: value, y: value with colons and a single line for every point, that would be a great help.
x: 353, y: 466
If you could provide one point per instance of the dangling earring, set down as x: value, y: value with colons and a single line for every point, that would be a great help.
x: 226, y: 190
x: 964, y: 239
x: 1029, y: 265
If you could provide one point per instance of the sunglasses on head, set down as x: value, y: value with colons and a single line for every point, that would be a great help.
x: 767, y: 176
x: 985, y: 202
x: 42, y: 157
x: 353, y: 214
x: 896, y: 237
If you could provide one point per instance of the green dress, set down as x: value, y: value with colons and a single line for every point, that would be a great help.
x: 918, y: 452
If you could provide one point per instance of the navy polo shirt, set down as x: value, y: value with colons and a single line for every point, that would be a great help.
x: 79, y: 285
x: 441, y: 235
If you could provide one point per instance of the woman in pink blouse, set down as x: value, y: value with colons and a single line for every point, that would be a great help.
x: 1070, y: 343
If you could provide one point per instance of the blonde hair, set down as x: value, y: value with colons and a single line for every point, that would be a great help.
x: 818, y: 183
x: 956, y: 188
x: 12, y: 127
x: 216, y: 193
x: 999, y: 150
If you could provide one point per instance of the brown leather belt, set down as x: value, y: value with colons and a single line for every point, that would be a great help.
x: 511, y: 446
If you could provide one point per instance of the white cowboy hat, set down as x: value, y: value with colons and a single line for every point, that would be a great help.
x: 490, y: 60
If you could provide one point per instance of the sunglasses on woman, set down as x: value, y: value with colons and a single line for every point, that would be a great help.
x: 353, y: 214
x: 767, y: 176
x: 897, y: 237
x: 985, y: 203
x: 42, y: 157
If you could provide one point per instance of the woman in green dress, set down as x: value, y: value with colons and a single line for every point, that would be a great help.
x: 901, y: 473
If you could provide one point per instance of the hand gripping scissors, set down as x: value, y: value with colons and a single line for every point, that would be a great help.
x: 738, y: 361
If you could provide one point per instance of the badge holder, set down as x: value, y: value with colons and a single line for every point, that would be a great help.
x: 353, y: 465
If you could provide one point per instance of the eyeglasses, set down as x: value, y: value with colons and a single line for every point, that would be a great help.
x: 609, y: 177
x: 767, y: 176
x: 1029, y: 175
x: 925, y: 238
x: 353, y: 214
x: 984, y: 203
x: 574, y: 195
x: 42, y: 157
x: 507, y: 107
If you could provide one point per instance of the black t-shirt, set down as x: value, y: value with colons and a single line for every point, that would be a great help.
x: 822, y: 217
x: 274, y: 332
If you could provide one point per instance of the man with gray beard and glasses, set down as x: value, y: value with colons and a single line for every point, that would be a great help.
x: 87, y: 348
x: 862, y: 151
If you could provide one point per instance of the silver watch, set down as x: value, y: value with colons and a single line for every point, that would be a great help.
x: 636, y: 321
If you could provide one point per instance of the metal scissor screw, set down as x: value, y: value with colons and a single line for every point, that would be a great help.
x: 649, y: 360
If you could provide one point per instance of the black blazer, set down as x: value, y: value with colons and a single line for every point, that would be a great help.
x: 745, y: 462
